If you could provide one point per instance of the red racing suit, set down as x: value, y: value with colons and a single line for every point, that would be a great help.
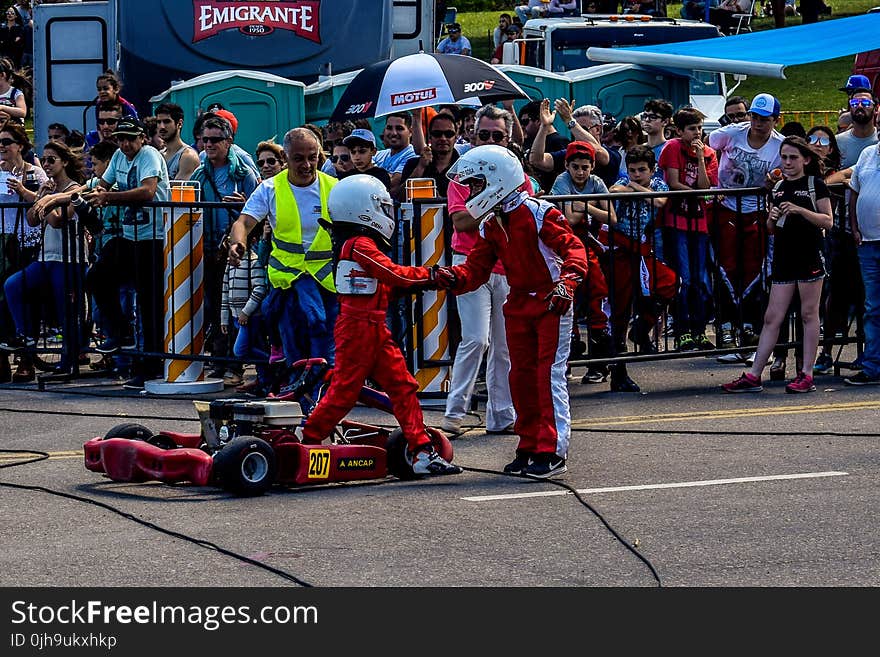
x: 364, y: 346
x: 537, y: 247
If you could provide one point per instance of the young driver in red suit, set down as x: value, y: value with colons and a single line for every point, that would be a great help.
x: 544, y: 262
x: 363, y: 218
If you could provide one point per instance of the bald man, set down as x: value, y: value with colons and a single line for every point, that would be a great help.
x: 302, y: 296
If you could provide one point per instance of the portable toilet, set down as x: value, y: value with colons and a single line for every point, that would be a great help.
x: 265, y: 105
x: 539, y: 84
x: 321, y: 97
x: 622, y: 89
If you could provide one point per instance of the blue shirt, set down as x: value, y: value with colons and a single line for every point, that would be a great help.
x: 633, y: 217
x: 140, y: 223
x: 450, y: 47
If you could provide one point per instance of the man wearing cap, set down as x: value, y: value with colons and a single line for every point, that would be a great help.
x: 455, y: 43
x: 864, y: 213
x: 747, y: 153
x: 302, y: 295
x: 362, y: 146
x: 140, y: 175
x: 845, y: 285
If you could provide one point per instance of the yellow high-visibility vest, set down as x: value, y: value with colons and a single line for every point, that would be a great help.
x: 288, y: 260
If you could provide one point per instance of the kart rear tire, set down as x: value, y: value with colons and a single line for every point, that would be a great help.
x: 130, y: 430
x: 247, y: 466
x: 397, y: 463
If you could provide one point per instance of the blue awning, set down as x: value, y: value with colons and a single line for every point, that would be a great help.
x: 764, y: 53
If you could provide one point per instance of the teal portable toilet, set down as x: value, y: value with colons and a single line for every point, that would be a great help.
x: 622, y: 89
x: 321, y: 97
x: 539, y: 84
x: 265, y: 105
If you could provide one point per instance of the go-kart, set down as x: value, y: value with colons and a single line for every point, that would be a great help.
x: 245, y: 446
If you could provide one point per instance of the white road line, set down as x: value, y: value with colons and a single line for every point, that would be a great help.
x: 681, y: 484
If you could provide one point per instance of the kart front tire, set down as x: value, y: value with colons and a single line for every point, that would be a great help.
x: 397, y: 463
x: 247, y: 466
x: 130, y: 430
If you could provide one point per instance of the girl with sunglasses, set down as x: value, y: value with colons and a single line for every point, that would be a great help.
x: 800, y: 208
x: 341, y: 159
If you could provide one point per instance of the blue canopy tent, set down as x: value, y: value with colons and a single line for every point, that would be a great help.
x: 765, y: 53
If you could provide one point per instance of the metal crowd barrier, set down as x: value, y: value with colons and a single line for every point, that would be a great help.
x: 69, y: 337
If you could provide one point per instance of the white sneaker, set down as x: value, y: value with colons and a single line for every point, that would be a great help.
x: 451, y: 425
x: 429, y: 462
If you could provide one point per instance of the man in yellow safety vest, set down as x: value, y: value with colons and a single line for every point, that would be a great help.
x: 302, y: 297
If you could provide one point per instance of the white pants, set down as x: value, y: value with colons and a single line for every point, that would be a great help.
x: 482, y: 328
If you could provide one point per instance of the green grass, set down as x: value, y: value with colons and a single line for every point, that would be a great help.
x: 807, y: 88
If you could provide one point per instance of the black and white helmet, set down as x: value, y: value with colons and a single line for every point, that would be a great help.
x: 362, y: 201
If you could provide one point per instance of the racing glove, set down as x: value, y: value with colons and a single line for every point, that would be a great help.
x: 562, y: 296
x: 443, y: 277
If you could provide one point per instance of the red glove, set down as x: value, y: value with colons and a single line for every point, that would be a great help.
x: 443, y: 277
x: 562, y: 296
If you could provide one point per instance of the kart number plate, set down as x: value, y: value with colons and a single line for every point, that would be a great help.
x: 319, y: 463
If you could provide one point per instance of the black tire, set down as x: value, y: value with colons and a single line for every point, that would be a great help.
x: 397, y: 463
x: 130, y: 430
x: 246, y: 466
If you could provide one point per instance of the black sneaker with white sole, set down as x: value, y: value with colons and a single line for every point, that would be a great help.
x: 18, y: 343
x: 519, y: 464
x: 429, y: 462
x: 862, y: 379
x: 546, y: 465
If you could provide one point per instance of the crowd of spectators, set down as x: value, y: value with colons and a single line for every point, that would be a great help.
x: 676, y: 266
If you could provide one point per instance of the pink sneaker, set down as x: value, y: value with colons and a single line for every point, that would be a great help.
x: 745, y: 383
x: 802, y: 383
x: 276, y: 354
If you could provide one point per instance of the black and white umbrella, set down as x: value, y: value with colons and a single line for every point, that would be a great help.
x: 420, y: 80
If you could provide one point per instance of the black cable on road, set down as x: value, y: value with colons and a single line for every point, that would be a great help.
x: 580, y: 499
x: 208, y: 545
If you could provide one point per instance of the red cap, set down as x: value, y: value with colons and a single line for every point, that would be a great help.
x: 580, y: 149
x: 229, y: 116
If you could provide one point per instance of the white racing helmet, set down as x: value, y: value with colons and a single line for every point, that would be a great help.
x: 498, y: 167
x: 362, y: 201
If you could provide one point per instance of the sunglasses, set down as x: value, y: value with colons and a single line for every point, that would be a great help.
x: 449, y: 134
x: 822, y: 141
x: 108, y: 121
x: 496, y: 135
x: 524, y: 119
x: 864, y: 102
x: 49, y: 159
x: 126, y: 137
x: 269, y: 161
x: 6, y: 141
x: 213, y: 140
x: 651, y: 117
x: 737, y: 115
x: 340, y: 158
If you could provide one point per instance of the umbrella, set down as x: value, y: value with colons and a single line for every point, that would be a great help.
x: 420, y: 80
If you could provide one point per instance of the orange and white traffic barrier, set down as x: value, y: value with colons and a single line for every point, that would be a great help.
x: 184, y: 295
x: 430, y: 336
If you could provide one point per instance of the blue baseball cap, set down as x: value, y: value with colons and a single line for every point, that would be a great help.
x: 856, y: 83
x: 360, y: 134
x: 765, y: 105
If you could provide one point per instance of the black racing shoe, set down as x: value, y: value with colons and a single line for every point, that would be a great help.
x: 546, y: 465
x: 18, y: 343
x: 519, y: 464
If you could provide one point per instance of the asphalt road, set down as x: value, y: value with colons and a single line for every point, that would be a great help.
x: 716, y: 490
